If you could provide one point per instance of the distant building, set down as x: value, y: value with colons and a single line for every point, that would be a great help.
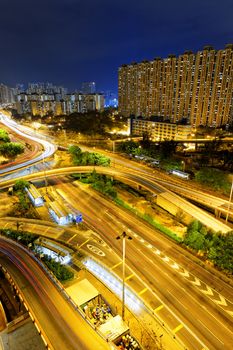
x: 110, y: 99
x: 6, y: 94
x: 46, y: 88
x: 42, y: 104
x: 197, y: 86
x: 158, y: 131
x: 88, y: 87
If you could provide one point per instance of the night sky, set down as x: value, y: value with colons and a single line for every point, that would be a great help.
x: 67, y: 42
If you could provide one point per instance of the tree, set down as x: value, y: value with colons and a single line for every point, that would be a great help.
x: 214, y: 178
x: 20, y: 185
x: 75, y: 150
x: 167, y: 148
x: 4, y: 137
x: 11, y: 149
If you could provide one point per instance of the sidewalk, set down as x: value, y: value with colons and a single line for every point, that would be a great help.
x: 142, y: 324
x: 24, y: 337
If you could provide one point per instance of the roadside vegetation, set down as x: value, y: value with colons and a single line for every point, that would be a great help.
x: 215, y: 247
x: 61, y: 272
x: 19, y: 235
x: 28, y: 239
x: 9, y: 150
x: 108, y: 186
x: 164, y: 152
x: 102, y: 183
x: 87, y: 158
x: 210, y: 165
x: 214, y: 179
x: 22, y: 206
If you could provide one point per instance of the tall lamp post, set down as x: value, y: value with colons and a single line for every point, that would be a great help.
x: 123, y: 236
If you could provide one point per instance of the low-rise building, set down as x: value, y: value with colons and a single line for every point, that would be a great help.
x: 35, y: 196
x: 63, y: 215
x: 158, y: 131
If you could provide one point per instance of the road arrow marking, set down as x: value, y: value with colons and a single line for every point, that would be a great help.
x: 175, y: 266
x: 208, y: 291
x: 230, y: 313
x: 166, y: 258
x: 222, y: 301
x: 196, y: 282
x: 185, y: 273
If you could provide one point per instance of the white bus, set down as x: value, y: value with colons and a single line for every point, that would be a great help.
x: 179, y: 173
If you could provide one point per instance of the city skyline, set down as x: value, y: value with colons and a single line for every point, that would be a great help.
x: 69, y: 42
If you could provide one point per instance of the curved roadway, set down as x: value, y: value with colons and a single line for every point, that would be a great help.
x: 64, y: 327
x: 49, y: 148
x: 135, y: 179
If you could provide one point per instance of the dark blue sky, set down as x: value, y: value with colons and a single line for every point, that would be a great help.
x: 70, y: 41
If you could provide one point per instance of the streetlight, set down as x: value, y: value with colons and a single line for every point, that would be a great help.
x: 123, y: 236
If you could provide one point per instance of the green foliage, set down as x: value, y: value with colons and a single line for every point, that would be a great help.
x: 23, y: 204
x: 167, y: 148
x: 20, y: 185
x: 87, y: 158
x: 91, y: 123
x: 101, y: 183
x: 214, y: 178
x: 215, y: 247
x: 11, y: 149
x: 22, y: 236
x: 4, y: 137
x: 61, y: 272
x: 129, y: 147
x: 74, y: 150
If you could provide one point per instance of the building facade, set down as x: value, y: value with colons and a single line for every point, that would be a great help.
x: 6, y: 94
x: 197, y: 87
x: 158, y: 131
x: 43, y: 104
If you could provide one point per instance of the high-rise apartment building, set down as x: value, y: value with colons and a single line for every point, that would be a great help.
x: 198, y: 87
x: 6, y: 94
